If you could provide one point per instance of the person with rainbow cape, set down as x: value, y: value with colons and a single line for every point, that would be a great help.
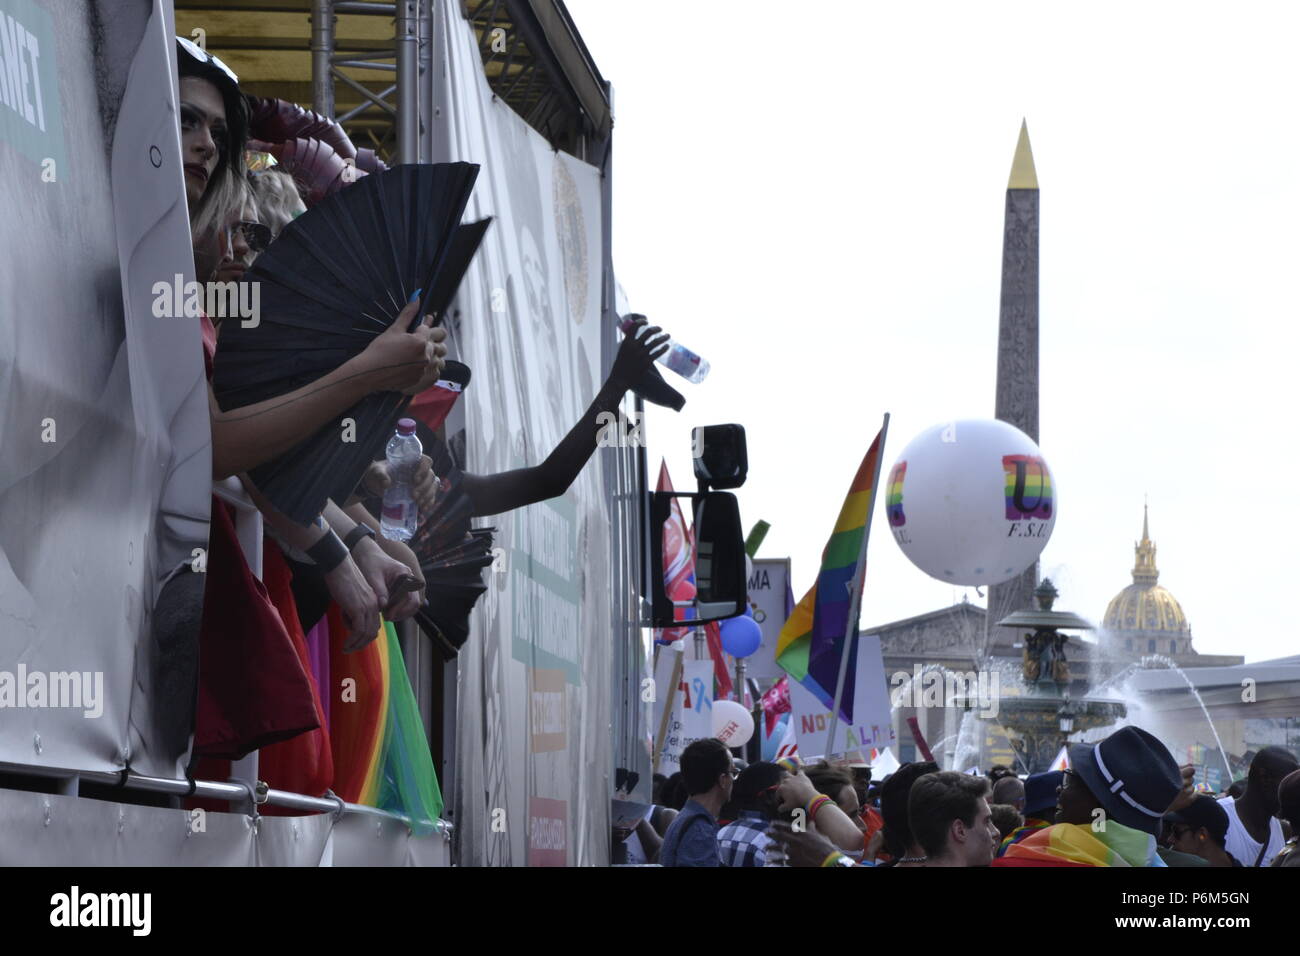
x: 1040, y: 806
x: 1109, y: 807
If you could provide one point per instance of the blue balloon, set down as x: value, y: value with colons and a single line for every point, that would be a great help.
x: 749, y: 610
x: 741, y: 636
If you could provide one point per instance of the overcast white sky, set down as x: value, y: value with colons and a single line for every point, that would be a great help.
x: 812, y: 198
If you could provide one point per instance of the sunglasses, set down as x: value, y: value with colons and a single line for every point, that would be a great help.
x: 256, y: 234
x: 203, y: 56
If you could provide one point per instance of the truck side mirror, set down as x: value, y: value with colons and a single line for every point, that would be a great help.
x: 721, y: 588
x: 721, y: 456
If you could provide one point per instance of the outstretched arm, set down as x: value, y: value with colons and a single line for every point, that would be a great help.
x: 494, y: 494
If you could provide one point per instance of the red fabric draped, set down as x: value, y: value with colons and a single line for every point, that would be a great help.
x: 253, y: 688
x: 303, y: 764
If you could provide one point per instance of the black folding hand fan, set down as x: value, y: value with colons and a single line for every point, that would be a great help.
x: 464, y: 244
x: 334, y: 279
x: 452, y: 557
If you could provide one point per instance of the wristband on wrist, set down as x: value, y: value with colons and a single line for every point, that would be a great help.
x: 328, y: 553
x: 815, y: 804
x: 833, y: 859
x: 353, y: 538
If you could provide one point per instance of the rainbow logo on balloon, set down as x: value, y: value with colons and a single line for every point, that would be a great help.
x: 1028, y: 487
x: 894, y: 496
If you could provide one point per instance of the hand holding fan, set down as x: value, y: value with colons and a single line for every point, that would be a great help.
x: 452, y: 557
x: 334, y: 280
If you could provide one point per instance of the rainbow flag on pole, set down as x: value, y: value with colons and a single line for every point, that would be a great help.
x: 811, y: 644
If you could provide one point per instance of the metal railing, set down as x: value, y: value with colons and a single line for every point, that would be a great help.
x: 234, y: 791
x: 243, y: 788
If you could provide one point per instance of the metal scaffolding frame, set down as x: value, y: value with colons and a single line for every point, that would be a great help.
x: 409, y: 56
x: 371, y: 64
x: 525, y: 72
x: 517, y: 58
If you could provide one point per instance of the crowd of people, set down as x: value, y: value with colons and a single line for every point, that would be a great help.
x: 1124, y: 801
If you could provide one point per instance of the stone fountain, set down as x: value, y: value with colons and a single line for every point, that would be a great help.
x: 1041, y: 717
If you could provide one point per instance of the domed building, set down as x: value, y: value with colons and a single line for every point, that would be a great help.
x: 1146, y: 618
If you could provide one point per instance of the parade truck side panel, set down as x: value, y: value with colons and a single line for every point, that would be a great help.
x: 541, y: 705
x: 551, y: 676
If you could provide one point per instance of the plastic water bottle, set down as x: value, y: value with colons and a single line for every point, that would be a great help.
x: 401, y: 515
x: 678, y: 358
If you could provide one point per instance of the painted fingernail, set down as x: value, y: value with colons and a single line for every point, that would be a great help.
x: 414, y: 296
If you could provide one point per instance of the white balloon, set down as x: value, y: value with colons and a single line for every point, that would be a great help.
x: 732, y: 723
x: 971, y: 502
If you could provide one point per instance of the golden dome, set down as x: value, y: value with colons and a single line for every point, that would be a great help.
x: 1144, y: 608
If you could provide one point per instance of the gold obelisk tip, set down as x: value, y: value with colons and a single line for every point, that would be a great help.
x: 1023, y: 174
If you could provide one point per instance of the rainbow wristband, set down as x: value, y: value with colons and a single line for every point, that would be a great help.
x: 815, y: 804
x: 832, y: 859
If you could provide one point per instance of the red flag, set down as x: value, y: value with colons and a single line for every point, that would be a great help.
x: 434, y: 404
x: 679, y: 561
x: 775, y: 703
x: 920, y: 740
x: 679, y: 584
x: 713, y: 633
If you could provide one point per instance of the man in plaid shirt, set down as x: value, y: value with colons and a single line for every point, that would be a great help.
x: 744, y: 841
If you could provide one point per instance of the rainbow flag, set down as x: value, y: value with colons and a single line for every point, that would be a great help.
x: 1071, y: 844
x: 811, y: 644
x: 408, y: 782
x: 382, y: 754
x: 373, y: 750
x: 1015, y: 836
x: 359, y: 715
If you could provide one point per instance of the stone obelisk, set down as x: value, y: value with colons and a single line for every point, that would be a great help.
x: 1017, y: 388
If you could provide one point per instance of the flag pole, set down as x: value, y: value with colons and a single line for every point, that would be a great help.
x: 855, y: 601
x: 669, y: 705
